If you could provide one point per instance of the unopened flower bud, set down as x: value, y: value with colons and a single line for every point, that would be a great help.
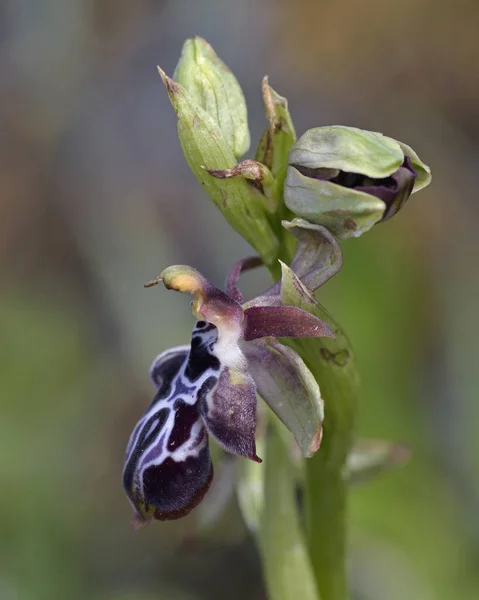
x: 207, y: 151
x: 348, y: 179
x: 213, y: 86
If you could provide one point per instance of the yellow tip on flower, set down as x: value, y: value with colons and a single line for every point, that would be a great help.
x: 182, y: 278
x: 186, y: 280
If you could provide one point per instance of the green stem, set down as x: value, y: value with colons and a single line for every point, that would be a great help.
x: 326, y: 527
x: 287, y: 568
x: 333, y: 365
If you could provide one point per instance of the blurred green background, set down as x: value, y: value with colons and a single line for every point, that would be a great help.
x: 96, y: 199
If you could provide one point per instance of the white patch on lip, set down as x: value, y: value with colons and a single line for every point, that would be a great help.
x: 227, y: 348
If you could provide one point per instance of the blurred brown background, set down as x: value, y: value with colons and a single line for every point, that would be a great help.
x: 96, y: 199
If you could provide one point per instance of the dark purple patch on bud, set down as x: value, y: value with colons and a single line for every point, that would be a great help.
x: 393, y: 190
x: 282, y: 321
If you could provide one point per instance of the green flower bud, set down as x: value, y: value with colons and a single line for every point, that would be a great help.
x: 206, y: 149
x: 213, y: 86
x: 349, y: 179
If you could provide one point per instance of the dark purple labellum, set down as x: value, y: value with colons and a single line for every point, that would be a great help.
x: 168, y: 467
x: 174, y: 488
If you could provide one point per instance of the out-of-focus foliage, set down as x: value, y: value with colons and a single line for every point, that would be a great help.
x: 96, y: 199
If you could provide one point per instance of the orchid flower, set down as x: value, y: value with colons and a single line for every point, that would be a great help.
x: 209, y: 388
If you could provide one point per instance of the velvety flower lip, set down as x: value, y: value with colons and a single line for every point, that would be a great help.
x: 210, y: 387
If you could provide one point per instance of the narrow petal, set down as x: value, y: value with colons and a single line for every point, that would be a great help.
x: 288, y: 387
x: 245, y: 264
x: 166, y: 366
x: 228, y: 407
x: 282, y: 321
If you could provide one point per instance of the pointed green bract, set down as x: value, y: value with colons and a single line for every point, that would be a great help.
x: 213, y: 86
x: 278, y: 137
x: 205, y: 148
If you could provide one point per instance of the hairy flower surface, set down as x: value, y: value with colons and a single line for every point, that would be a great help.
x: 209, y: 388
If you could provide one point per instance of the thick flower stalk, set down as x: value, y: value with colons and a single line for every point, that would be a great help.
x: 292, y: 203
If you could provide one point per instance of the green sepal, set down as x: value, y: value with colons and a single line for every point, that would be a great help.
x: 290, y: 390
x: 348, y: 149
x: 344, y: 211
